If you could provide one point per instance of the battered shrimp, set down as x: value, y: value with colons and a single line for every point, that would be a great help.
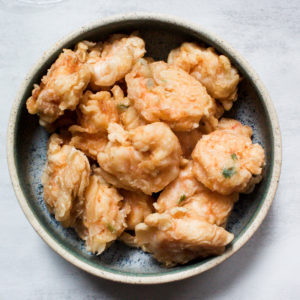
x: 161, y: 92
x: 143, y: 159
x: 89, y: 144
x: 87, y: 50
x: 131, y: 119
x: 65, y: 179
x: 128, y: 115
x: 141, y: 206
x: 96, y: 111
x: 185, y: 191
x: 104, y: 214
x: 214, y: 71
x: 226, y: 161
x: 210, y: 206
x: 188, y: 141
x: 118, y: 56
x: 236, y: 126
x: 60, y: 89
x: 184, y: 186
x: 173, y: 238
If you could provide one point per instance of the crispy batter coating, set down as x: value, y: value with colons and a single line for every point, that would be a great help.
x: 60, y: 89
x: 141, y: 206
x: 104, y: 214
x: 176, y: 238
x: 116, y: 59
x: 96, y: 111
x: 143, y: 159
x: 89, y: 143
x: 161, y: 92
x: 188, y: 140
x: 86, y: 50
x: 184, y: 186
x: 236, y: 126
x: 210, y: 206
x: 129, y: 117
x: 226, y: 161
x: 186, y: 191
x: 65, y: 179
x: 214, y: 71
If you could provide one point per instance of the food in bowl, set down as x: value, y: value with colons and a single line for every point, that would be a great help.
x: 139, y: 150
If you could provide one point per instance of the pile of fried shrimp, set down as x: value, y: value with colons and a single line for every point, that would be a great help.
x: 139, y: 150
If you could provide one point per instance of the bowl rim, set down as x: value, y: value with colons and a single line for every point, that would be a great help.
x: 256, y: 221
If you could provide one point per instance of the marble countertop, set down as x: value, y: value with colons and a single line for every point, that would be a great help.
x: 267, y: 34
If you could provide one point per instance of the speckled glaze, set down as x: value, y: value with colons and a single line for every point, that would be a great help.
x: 26, y: 152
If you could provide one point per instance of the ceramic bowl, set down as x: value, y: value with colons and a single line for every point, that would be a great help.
x: 26, y: 151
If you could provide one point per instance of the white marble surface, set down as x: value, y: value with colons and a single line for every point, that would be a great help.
x: 267, y: 33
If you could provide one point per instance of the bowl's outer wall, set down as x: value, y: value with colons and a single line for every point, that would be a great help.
x: 30, y: 141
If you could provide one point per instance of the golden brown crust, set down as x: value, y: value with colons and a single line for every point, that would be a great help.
x: 226, y: 160
x: 214, y: 71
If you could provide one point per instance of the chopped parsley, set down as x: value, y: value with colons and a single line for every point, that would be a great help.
x: 122, y: 106
x: 110, y: 228
x: 228, y: 172
x: 234, y: 156
x: 182, y: 198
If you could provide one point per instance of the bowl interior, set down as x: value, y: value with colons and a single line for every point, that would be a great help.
x: 30, y: 149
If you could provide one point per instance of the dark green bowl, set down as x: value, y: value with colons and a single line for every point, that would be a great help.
x: 26, y: 151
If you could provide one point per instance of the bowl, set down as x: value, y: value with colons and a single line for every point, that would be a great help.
x: 27, y: 141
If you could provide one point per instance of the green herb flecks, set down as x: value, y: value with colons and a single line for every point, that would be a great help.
x: 110, y: 228
x: 234, y: 156
x: 182, y: 198
x: 228, y: 172
x: 122, y: 106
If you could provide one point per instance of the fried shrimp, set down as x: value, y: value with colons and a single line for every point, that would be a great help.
x: 214, y: 71
x: 90, y: 144
x: 186, y: 191
x: 95, y: 113
x: 226, y: 161
x: 128, y: 115
x: 140, y: 205
x: 234, y: 125
x: 131, y: 119
x: 116, y: 59
x: 143, y: 159
x: 184, y: 186
x: 65, y: 179
x: 176, y: 238
x: 60, y: 89
x: 210, y: 206
x: 104, y: 214
x: 161, y: 92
